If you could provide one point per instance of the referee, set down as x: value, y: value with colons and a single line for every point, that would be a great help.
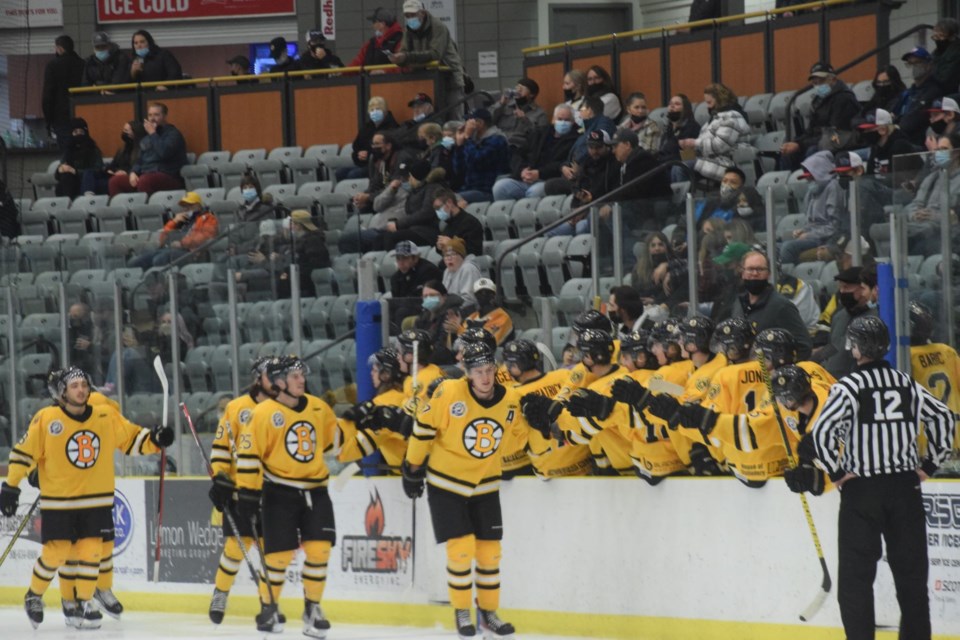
x: 874, y: 415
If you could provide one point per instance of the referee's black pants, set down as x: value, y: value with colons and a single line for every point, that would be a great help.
x: 891, y: 506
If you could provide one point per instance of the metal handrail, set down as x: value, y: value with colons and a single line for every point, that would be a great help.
x: 607, y: 197
x: 788, y: 132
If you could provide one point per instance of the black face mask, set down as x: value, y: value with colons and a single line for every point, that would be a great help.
x: 849, y: 300
x: 595, y: 90
x: 674, y: 116
x: 79, y: 140
x: 376, y: 154
x: 941, y: 45
x: 870, y: 137
x: 126, y: 137
x: 755, y: 287
x: 522, y: 102
x: 486, y: 300
x: 939, y: 127
x: 637, y: 119
x: 568, y: 95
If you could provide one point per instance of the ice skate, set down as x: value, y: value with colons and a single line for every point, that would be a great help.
x: 71, y: 614
x: 315, y: 625
x: 268, y: 620
x: 89, y: 615
x: 464, y: 622
x: 492, y: 626
x: 33, y: 604
x: 218, y: 605
x: 108, y: 603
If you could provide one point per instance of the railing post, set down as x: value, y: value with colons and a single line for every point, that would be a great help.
x: 901, y: 296
x: 546, y: 322
x: 617, y: 243
x: 12, y: 364
x: 693, y: 309
x: 296, y: 330
x: 771, y: 237
x: 64, y: 324
x: 946, y: 258
x: 855, y: 221
x: 594, y: 258
x: 172, y: 279
x: 234, y: 331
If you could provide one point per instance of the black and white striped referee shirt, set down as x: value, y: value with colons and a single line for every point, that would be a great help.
x: 874, y: 414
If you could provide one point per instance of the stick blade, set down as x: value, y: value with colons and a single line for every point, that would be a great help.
x: 662, y: 386
x: 814, y: 607
x: 344, y: 476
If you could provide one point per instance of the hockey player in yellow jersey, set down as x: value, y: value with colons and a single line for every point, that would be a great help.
x: 665, y: 346
x: 280, y: 464
x: 233, y: 425
x: 550, y: 460
x: 580, y: 376
x: 455, y: 447
x: 933, y: 364
x: 738, y: 387
x: 71, y: 443
x: 479, y: 334
x: 428, y: 372
x: 795, y: 391
x: 363, y: 427
x: 636, y: 357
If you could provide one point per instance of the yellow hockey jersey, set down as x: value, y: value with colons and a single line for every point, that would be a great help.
x: 357, y: 443
x: 462, y: 437
x: 74, y: 455
x: 694, y: 391
x: 236, y: 418
x: 286, y: 446
x: 425, y: 376
x: 580, y: 377
x: 937, y: 367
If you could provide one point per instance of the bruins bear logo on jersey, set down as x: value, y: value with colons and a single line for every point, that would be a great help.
x: 83, y: 449
x: 482, y: 437
x: 301, y: 441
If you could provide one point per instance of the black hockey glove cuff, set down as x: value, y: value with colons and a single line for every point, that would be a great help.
x: 222, y: 491
x: 9, y: 499
x: 631, y: 392
x: 248, y: 505
x: 805, y: 478
x: 161, y: 436
x: 585, y: 403
x: 413, y: 480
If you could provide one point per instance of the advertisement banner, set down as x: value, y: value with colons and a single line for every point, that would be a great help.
x: 941, y: 502
x: 328, y: 20
x: 446, y: 12
x: 130, y: 531
x: 20, y: 14
x: 109, y: 11
x: 190, y: 541
x: 19, y: 563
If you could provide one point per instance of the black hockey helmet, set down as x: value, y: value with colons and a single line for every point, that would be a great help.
x: 258, y: 366
x: 791, y: 385
x: 523, y: 353
x: 597, y: 344
x: 635, y: 342
x: 478, y: 334
x: 870, y: 336
x: 733, y: 338
x: 278, y: 367
x: 592, y: 319
x: 59, y: 379
x: 697, y: 330
x: 477, y: 354
x: 665, y: 332
x: 389, y: 362
x: 921, y: 324
x: 421, y: 337
x: 777, y: 345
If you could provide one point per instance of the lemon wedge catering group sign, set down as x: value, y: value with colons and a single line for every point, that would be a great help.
x: 140, y: 10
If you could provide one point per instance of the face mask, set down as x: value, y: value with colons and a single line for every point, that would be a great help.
x: 431, y: 302
x: 414, y: 23
x: 941, y: 157
x: 376, y: 154
x: 939, y: 127
x: 423, y: 145
x: 485, y: 299
x: 745, y: 211
x: 594, y: 89
x: 917, y: 71
x: 871, y: 304
x: 378, y: 33
x: 884, y: 90
x: 448, y: 142
x: 102, y: 55
x: 755, y: 287
x: 658, y: 258
x: 567, y: 95
x: 165, y: 329
x: 142, y: 52
x: 941, y: 45
x: 406, y: 186
x: 578, y: 119
x: 822, y: 90
x: 562, y: 127
x: 442, y: 215
x: 726, y: 191
x: 419, y: 117
x: 376, y: 116
x: 522, y: 102
x: 249, y: 194
x: 126, y: 137
x: 870, y: 137
x: 674, y: 116
x: 638, y: 119
x: 848, y: 300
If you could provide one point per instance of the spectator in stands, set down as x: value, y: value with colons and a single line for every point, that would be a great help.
x: 834, y: 356
x: 637, y: 119
x: 61, y: 73
x: 406, y: 284
x: 832, y: 112
x: 946, y: 54
x: 482, y: 155
x: 379, y: 118
x: 733, y: 201
x: 885, y: 141
x: 925, y: 211
x: 187, y: 231
x: 801, y: 295
x: 600, y: 84
x: 655, y: 255
x: 570, y: 356
x: 317, y: 54
x: 911, y: 111
x: 574, y: 90
x: 599, y: 174
x: 720, y: 136
x: 681, y: 126
x: 719, y: 265
x: 283, y: 63
x: 138, y: 375
x: 383, y: 162
x: 944, y: 120
x: 149, y: 63
x: 739, y: 230
x: 591, y: 115
x: 824, y: 205
x: 163, y: 152
x: 456, y: 222
x: 427, y: 40
x: 440, y: 310
x: 704, y: 10
x: 888, y: 88
x: 104, y: 64
x: 80, y: 338
x: 460, y: 273
x: 9, y: 213
x: 81, y: 162
x: 541, y: 159
x: 625, y: 308
x: 634, y: 162
x: 387, y: 36
x: 449, y: 142
x: 406, y: 134
x: 307, y: 250
x: 418, y: 221
x: 517, y: 114
x: 489, y: 314
x: 256, y: 205
x: 240, y: 66
x: 124, y: 158
x: 160, y: 343
x: 434, y: 149
x: 764, y: 307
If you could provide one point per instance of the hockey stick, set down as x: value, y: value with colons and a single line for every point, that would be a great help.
x: 165, y: 387
x: 16, y: 534
x: 415, y: 371
x: 827, y: 584
x: 226, y: 510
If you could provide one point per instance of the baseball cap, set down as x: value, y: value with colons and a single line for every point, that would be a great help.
x: 947, y: 104
x: 303, y: 217
x: 732, y: 253
x: 242, y: 61
x: 191, y: 197
x: 599, y: 137
x: 406, y: 248
x: 847, y: 162
x: 412, y: 6
x: 101, y: 38
x: 530, y: 84
x: 627, y: 135
x: 484, y: 283
x: 315, y: 35
x: 480, y: 114
x: 879, y: 118
x: 419, y: 99
x: 821, y: 70
x: 917, y: 52
x: 381, y: 15
x: 851, y: 275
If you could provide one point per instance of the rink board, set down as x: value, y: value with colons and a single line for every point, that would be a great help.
x: 594, y: 557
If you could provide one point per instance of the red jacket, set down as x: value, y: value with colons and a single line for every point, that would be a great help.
x: 370, y: 53
x: 203, y: 228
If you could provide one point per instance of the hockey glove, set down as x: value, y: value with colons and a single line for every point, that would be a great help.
x: 663, y: 406
x: 413, y: 480
x: 395, y: 419
x: 359, y: 412
x: 33, y: 478
x: 540, y: 411
x: 702, y: 462
x: 585, y: 403
x: 432, y: 387
x: 806, y: 452
x: 248, y: 505
x: 805, y: 478
x: 9, y: 500
x: 695, y: 416
x: 161, y: 436
x: 222, y: 491
x: 631, y: 392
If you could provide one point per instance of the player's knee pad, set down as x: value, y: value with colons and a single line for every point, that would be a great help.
x: 462, y: 550
x: 489, y: 553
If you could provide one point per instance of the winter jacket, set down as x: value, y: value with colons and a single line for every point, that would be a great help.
x: 599, y: 176
x: 519, y: 130
x: 649, y: 132
x: 947, y: 66
x: 599, y: 123
x: 158, y: 65
x: 718, y: 139
x: 389, y: 203
x: 669, y: 142
x: 837, y: 109
x: 371, y: 53
x: 364, y: 136
x: 432, y: 42
x: 881, y: 156
x: 99, y: 72
x: 639, y: 162
x: 201, y: 227
x: 825, y: 203
x: 466, y: 226
x: 930, y: 191
x: 128, y: 154
x: 164, y: 150
x: 82, y: 154
x: 60, y: 74
x: 546, y: 152
x: 481, y: 161
x: 461, y: 281
x: 774, y: 311
x: 419, y: 213
x: 912, y: 109
x: 329, y: 61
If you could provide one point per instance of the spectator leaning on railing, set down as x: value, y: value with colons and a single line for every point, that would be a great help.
x: 105, y: 63
x: 387, y: 36
x: 149, y: 63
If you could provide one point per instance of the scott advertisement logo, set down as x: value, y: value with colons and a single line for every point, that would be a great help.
x: 375, y: 553
x: 122, y: 522
x: 942, y: 511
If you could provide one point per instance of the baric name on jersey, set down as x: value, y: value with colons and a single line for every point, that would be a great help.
x: 931, y: 359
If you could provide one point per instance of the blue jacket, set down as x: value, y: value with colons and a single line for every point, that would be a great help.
x: 165, y: 150
x: 481, y: 161
x: 579, y: 152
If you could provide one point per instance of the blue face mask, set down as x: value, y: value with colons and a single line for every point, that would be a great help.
x: 414, y: 23
x: 102, y: 56
x: 578, y: 119
x: 562, y: 127
x: 142, y: 52
x: 448, y: 142
x: 442, y: 215
x: 941, y: 157
x: 376, y: 116
x: 431, y: 302
x: 419, y: 117
x: 406, y: 186
x: 249, y: 194
x: 822, y: 90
